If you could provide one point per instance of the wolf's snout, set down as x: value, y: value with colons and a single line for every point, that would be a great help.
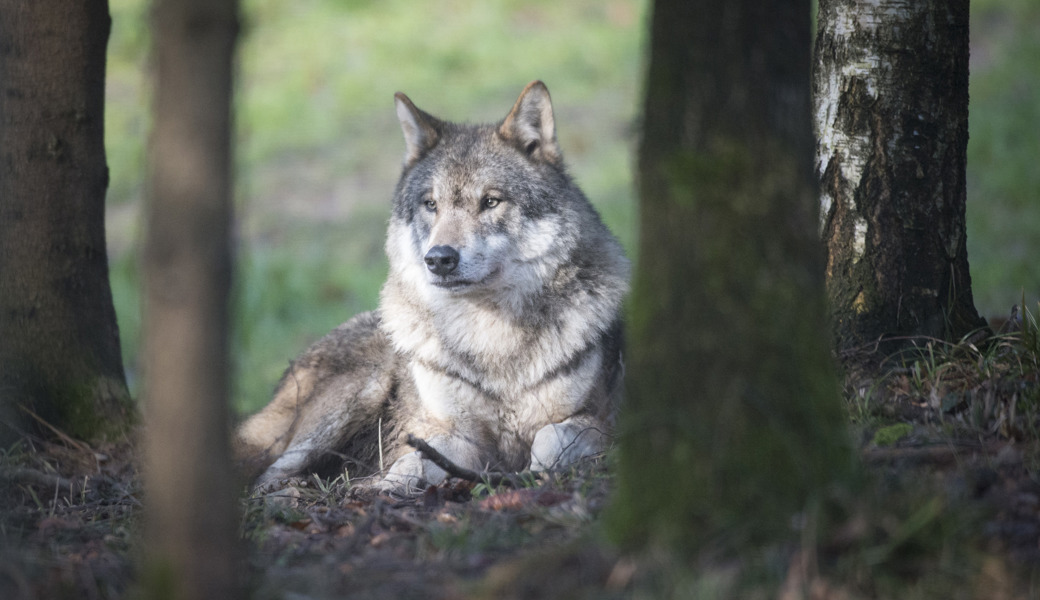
x: 441, y: 260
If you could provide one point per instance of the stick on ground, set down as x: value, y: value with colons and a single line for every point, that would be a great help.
x: 492, y: 478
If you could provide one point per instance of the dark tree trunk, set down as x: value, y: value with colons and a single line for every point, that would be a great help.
x: 732, y: 420
x: 192, y: 523
x: 59, y: 343
x: 890, y: 93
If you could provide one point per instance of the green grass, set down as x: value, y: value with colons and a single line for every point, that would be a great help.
x: 1004, y: 127
x: 318, y: 145
x: 289, y: 297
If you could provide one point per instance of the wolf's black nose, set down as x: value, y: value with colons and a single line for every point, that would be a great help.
x: 441, y: 260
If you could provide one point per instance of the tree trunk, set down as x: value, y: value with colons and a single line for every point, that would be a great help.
x: 732, y: 420
x: 890, y: 93
x: 191, y: 519
x: 59, y: 343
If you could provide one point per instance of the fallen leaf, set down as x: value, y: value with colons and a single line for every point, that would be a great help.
x: 53, y: 523
x: 517, y: 499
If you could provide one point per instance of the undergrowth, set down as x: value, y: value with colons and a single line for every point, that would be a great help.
x: 982, y: 388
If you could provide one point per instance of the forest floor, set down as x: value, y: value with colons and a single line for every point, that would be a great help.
x: 952, y: 510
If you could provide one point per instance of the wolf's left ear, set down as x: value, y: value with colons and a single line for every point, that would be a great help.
x: 530, y: 124
x: 421, y: 131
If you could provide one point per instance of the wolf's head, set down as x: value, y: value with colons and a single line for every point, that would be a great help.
x: 485, y: 210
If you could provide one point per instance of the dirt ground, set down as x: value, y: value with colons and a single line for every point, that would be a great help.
x: 70, y: 515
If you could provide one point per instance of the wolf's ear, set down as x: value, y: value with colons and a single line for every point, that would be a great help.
x: 421, y: 131
x: 530, y: 124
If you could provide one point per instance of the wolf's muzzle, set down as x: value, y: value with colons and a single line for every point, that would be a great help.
x: 442, y: 260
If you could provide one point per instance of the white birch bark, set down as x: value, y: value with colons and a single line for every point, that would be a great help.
x: 890, y: 102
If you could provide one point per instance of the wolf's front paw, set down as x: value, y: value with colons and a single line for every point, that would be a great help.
x: 410, y: 474
x: 561, y: 444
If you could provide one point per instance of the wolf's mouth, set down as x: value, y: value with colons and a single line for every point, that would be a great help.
x: 459, y: 284
x: 452, y: 284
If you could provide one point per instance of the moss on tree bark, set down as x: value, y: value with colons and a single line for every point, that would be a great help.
x: 59, y: 344
x: 732, y: 420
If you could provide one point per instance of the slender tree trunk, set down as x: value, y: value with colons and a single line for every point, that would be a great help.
x: 732, y: 419
x: 192, y: 523
x: 890, y: 93
x: 59, y: 343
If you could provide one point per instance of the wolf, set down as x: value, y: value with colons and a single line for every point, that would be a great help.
x: 498, y: 335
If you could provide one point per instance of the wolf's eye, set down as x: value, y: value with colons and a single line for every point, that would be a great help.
x: 431, y: 205
x: 490, y: 202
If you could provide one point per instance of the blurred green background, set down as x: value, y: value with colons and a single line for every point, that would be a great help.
x: 318, y: 146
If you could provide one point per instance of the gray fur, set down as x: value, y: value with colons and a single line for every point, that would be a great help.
x: 498, y: 335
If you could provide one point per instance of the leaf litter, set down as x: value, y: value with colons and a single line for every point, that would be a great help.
x: 964, y: 473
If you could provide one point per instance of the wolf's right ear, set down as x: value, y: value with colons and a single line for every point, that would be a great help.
x: 530, y: 125
x: 420, y: 129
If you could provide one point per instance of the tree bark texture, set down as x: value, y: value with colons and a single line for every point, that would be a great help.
x: 732, y: 420
x: 59, y: 344
x: 890, y: 96
x: 191, y: 520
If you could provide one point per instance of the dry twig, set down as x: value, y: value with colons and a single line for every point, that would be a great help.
x: 32, y: 476
x: 492, y: 478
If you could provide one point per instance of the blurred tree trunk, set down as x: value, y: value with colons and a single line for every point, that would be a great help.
x: 59, y: 343
x: 890, y: 93
x: 732, y: 420
x: 191, y: 522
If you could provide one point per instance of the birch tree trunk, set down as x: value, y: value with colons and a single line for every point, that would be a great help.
x: 890, y: 97
x: 192, y: 522
x: 59, y: 342
x: 732, y: 421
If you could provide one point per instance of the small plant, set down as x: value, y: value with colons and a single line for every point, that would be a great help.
x: 862, y: 402
x: 1030, y: 334
x: 329, y: 487
x: 889, y: 435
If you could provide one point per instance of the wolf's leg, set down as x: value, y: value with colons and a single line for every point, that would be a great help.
x: 263, y: 437
x: 333, y: 390
x: 292, y: 462
x: 307, y: 445
x: 560, y: 444
x: 339, y: 409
